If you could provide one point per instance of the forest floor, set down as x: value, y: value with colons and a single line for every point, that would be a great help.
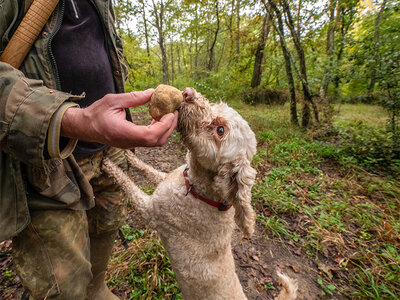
x: 333, y: 229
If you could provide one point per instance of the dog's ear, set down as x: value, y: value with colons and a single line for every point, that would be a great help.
x: 234, y: 181
x: 188, y: 94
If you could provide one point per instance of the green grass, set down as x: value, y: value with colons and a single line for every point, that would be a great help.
x: 373, y: 115
x: 348, y: 214
x: 144, y: 267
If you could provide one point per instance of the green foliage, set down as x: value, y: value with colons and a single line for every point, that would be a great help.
x: 348, y: 218
x: 189, y: 28
x: 145, y: 267
x: 369, y: 147
x: 265, y: 96
x: 327, y: 289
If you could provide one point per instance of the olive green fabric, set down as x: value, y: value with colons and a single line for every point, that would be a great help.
x: 52, y: 254
x: 53, y: 134
x: 12, y: 197
x: 28, y: 101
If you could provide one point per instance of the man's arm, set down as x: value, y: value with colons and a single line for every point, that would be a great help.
x: 26, y: 109
x: 105, y: 122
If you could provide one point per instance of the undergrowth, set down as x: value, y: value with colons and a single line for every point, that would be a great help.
x: 144, y: 267
x: 338, y: 199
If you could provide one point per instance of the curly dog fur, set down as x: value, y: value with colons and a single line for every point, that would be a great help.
x: 197, y: 236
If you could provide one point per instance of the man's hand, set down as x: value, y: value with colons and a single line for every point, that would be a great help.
x: 105, y: 122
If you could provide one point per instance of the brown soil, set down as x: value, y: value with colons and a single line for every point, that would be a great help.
x: 257, y: 259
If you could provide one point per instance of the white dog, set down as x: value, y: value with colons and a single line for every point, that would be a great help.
x: 195, y: 207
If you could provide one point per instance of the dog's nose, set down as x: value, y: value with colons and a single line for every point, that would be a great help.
x: 188, y: 94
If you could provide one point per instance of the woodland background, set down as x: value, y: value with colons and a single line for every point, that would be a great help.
x: 314, y: 52
x: 319, y: 83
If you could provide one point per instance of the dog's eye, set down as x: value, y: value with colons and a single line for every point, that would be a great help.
x: 220, y: 130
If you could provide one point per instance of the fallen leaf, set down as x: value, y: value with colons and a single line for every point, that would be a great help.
x: 324, y: 268
x: 259, y: 288
x: 297, y: 251
x: 295, y: 268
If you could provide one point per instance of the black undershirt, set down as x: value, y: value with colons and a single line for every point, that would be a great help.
x: 82, y: 60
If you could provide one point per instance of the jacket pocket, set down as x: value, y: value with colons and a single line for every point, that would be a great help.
x: 14, y: 214
x: 62, y: 189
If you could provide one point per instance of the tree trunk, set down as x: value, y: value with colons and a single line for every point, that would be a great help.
x: 298, y: 18
x: 259, y: 56
x: 190, y: 58
x: 376, y: 48
x: 288, y: 67
x: 303, y: 70
x: 211, y: 51
x: 237, y: 30
x: 196, y: 45
x: 330, y: 46
x: 231, y: 43
x: 346, y: 19
x: 146, y: 33
x: 178, y: 53
x: 159, y: 16
x: 172, y: 62
x: 222, y: 54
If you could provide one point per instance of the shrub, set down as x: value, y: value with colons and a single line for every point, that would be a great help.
x: 265, y: 96
x: 369, y: 147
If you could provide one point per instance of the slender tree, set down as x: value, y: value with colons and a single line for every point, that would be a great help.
x: 376, y: 48
x: 347, y: 14
x: 178, y: 57
x: 275, y: 13
x: 159, y: 13
x: 259, y: 55
x: 211, y: 50
x: 237, y: 29
x: 230, y: 28
x: 303, y: 69
x: 146, y: 31
x: 334, y: 17
x: 196, y: 42
x: 172, y: 61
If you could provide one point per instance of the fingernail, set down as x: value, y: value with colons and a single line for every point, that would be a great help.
x: 149, y: 91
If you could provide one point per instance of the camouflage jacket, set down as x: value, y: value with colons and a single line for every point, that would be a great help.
x: 29, y: 98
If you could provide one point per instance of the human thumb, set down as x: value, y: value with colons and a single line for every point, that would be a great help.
x: 134, y: 99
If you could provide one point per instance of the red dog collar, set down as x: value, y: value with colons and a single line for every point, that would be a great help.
x: 190, y: 189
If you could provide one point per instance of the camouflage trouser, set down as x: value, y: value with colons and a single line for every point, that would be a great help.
x: 52, y: 255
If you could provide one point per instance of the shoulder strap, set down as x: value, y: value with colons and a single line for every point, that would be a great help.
x: 27, y: 32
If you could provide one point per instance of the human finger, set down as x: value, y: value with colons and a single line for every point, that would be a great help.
x: 166, y: 135
x: 134, y: 135
x: 133, y: 99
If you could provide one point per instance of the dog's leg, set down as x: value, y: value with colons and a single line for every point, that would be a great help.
x: 141, y: 200
x: 152, y: 174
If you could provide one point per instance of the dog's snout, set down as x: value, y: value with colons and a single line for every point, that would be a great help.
x: 188, y: 94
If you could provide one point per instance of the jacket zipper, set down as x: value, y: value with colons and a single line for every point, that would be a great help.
x: 52, y: 58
